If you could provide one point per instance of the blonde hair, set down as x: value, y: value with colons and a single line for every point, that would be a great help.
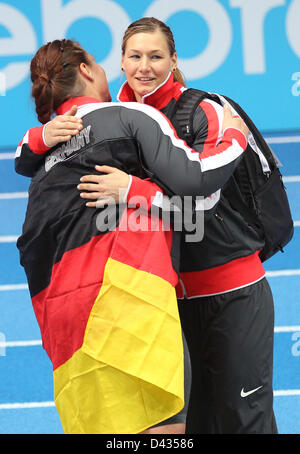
x: 151, y: 25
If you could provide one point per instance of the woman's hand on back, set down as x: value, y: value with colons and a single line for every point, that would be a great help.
x: 62, y: 128
x: 104, y: 189
x: 231, y: 121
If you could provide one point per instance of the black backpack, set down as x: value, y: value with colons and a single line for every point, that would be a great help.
x: 256, y: 189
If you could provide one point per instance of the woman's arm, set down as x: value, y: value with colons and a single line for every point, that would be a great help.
x: 173, y: 165
x: 113, y: 184
x: 117, y: 187
x: 209, y: 123
x: 171, y: 162
x: 37, y: 141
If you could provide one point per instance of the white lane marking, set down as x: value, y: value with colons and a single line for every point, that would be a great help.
x: 286, y: 139
x: 291, y: 179
x: 13, y: 195
x: 287, y: 392
x: 11, y: 287
x: 4, y: 156
x: 278, y: 273
x: 28, y: 343
x: 20, y: 405
x: 286, y: 329
x: 8, y: 238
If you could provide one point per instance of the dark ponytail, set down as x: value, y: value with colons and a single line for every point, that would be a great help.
x: 54, y: 75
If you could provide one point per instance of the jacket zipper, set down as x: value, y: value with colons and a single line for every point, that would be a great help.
x: 226, y: 230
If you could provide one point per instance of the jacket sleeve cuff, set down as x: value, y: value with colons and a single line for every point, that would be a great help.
x: 44, y: 140
x: 233, y: 133
x: 36, y: 140
x: 143, y: 188
x: 128, y: 189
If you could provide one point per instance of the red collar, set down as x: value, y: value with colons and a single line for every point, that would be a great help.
x: 158, y: 98
x: 78, y: 101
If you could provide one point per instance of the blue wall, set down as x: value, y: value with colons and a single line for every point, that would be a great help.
x: 247, y: 49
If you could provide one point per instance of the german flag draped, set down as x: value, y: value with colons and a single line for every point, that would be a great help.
x: 106, y: 305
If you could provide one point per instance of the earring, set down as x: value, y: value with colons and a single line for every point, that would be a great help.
x: 174, y: 70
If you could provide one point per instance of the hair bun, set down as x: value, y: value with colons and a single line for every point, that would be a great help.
x: 44, y: 78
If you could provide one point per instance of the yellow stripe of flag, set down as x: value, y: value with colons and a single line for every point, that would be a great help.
x: 128, y: 374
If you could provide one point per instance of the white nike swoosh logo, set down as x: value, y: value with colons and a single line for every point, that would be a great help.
x: 245, y: 394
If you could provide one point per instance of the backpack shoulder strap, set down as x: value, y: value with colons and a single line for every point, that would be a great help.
x: 183, y: 113
x: 256, y: 133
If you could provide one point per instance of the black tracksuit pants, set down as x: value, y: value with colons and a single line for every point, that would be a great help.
x: 230, y: 339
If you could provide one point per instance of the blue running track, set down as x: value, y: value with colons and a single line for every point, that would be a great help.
x: 26, y: 386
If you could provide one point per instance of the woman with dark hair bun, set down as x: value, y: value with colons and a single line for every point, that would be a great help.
x: 54, y: 75
x: 102, y: 285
